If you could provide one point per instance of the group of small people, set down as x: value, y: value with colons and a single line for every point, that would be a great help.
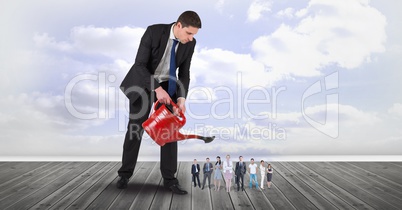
x: 226, y: 167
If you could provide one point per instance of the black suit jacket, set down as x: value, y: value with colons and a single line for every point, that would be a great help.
x: 152, y: 46
x: 240, y: 170
x: 193, y: 169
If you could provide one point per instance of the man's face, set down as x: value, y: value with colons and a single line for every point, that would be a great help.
x: 207, y: 160
x: 252, y: 161
x: 185, y: 34
x: 195, y: 161
x: 241, y: 159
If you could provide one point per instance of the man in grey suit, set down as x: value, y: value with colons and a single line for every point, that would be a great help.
x: 164, y: 49
x: 207, y: 169
x: 240, y: 170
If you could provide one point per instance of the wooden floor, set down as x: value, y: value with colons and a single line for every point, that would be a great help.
x: 296, y: 185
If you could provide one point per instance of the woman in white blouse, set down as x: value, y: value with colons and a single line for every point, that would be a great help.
x: 228, y: 172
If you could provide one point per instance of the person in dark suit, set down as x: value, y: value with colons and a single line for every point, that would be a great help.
x: 240, y: 170
x: 163, y: 50
x: 195, y: 171
x: 207, y: 169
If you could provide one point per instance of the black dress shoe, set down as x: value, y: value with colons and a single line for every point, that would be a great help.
x: 122, y: 183
x: 176, y: 189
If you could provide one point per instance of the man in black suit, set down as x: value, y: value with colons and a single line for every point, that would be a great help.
x: 195, y: 171
x: 207, y: 169
x: 164, y: 49
x: 240, y: 170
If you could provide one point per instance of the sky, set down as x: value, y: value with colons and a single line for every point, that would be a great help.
x: 268, y: 78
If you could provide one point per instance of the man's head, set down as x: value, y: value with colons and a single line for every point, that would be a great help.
x: 252, y: 160
x: 207, y: 160
x: 241, y: 158
x: 195, y: 161
x: 187, y: 26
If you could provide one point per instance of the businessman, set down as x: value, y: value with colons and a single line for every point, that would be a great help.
x: 240, y: 170
x: 164, y: 50
x: 195, y: 172
x: 207, y: 169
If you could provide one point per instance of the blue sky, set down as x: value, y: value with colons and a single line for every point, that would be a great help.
x: 268, y: 78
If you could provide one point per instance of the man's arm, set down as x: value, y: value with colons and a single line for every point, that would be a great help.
x: 139, y: 76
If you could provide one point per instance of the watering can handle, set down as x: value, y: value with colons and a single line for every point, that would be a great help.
x: 174, y: 105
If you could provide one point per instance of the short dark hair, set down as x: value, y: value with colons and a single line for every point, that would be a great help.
x: 189, y: 18
x: 207, y: 158
x: 252, y: 158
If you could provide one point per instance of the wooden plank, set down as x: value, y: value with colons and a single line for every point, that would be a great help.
x: 147, y: 193
x: 105, y: 185
x: 111, y: 192
x: 257, y: 199
x: 82, y: 185
x: 292, y: 194
x: 335, y: 189
x: 91, y: 187
x: 163, y: 197
x: 390, y: 184
x: 324, y: 192
x: 397, y: 164
x: 28, y: 177
x: 50, y: 188
x: 327, y: 172
x: 184, y: 177
x: 364, y: 185
x: 382, y: 169
x: 14, y: 194
x: 46, y: 186
x: 70, y: 186
x: 201, y: 199
x: 14, y: 169
x: 127, y: 196
x: 312, y: 195
x: 277, y: 198
x: 386, y: 188
x: 220, y: 199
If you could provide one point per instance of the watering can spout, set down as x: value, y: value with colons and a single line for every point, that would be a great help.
x: 163, y: 126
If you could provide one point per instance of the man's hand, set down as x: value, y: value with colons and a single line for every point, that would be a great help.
x: 181, y: 103
x: 162, y: 96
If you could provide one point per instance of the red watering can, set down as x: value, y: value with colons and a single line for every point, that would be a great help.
x: 163, y: 126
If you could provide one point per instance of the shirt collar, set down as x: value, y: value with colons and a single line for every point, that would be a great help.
x: 171, y: 36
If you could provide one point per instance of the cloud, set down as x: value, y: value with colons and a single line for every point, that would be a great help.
x: 114, y: 43
x: 286, y: 13
x: 396, y: 110
x: 218, y: 67
x: 328, y: 33
x: 257, y: 8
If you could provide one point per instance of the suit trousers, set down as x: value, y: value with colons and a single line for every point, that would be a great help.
x: 196, y: 178
x: 238, y: 177
x: 139, y: 112
x: 206, y: 175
